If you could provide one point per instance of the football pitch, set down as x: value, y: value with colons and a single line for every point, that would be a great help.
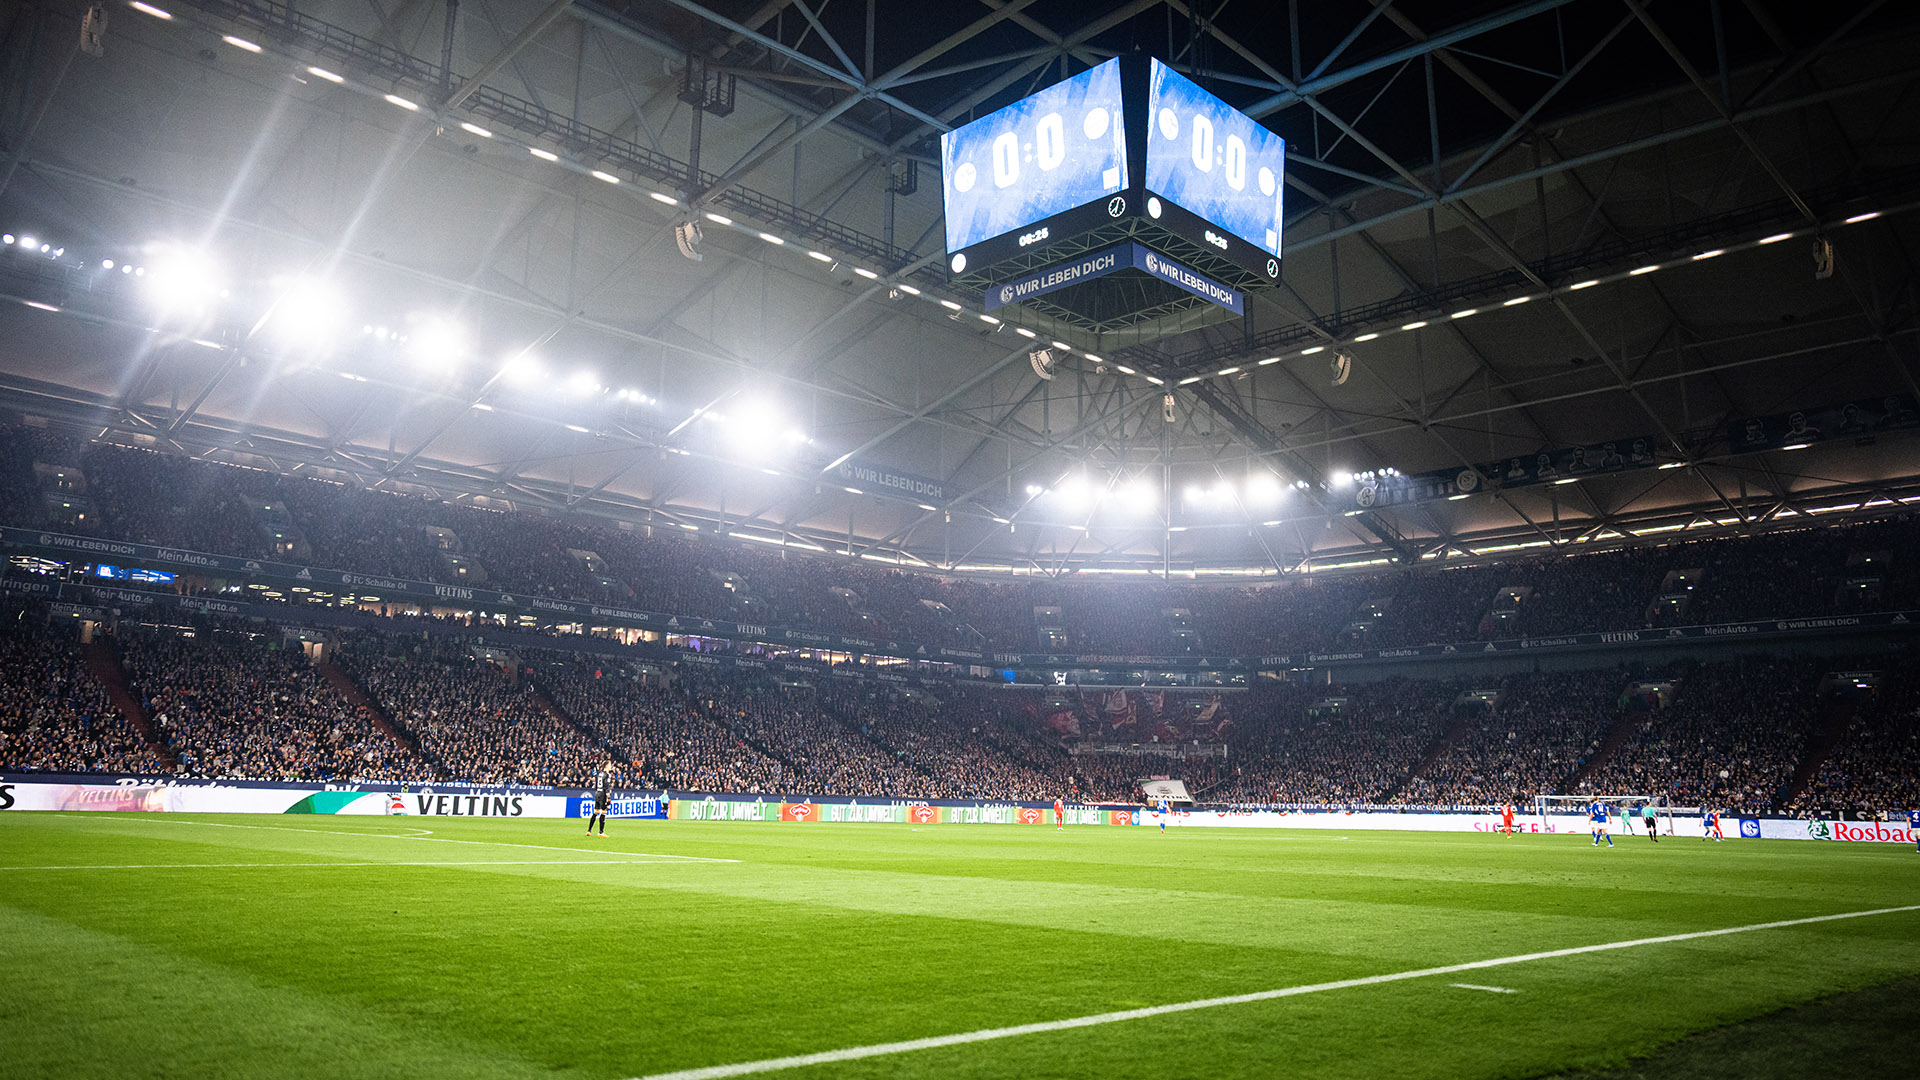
x: 204, y: 946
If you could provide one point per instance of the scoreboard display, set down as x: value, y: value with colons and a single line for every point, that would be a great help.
x: 1062, y: 148
x: 1130, y: 152
x: 1213, y: 161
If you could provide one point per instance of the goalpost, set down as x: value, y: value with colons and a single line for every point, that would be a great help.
x: 1577, y: 804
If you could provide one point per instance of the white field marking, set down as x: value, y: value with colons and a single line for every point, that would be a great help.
x: 278, y: 865
x: 162, y: 820
x: 1488, y: 989
x: 851, y: 1053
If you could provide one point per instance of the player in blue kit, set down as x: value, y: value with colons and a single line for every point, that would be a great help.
x: 1913, y: 825
x: 1597, y: 819
x: 1163, y: 810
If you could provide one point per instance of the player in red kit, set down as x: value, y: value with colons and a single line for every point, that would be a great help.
x: 1506, y: 818
x: 1059, y: 814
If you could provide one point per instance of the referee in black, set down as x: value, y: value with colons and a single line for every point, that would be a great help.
x: 602, y: 798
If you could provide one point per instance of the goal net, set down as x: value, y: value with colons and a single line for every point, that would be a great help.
x: 1625, y: 811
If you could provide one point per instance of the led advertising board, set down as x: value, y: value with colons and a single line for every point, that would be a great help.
x: 1062, y: 148
x: 1214, y: 161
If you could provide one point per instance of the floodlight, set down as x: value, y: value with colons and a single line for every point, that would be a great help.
x: 1034, y: 489
x: 1075, y: 493
x: 1140, y: 495
x: 307, y: 314
x: 183, y: 283
x: 436, y: 342
x: 1263, y: 487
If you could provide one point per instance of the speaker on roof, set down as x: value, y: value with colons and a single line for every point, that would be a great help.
x: 687, y: 235
x: 1341, y: 366
x: 1043, y: 363
x: 93, y: 30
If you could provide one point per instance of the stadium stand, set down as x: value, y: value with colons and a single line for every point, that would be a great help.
x: 143, y: 496
x: 233, y: 702
x: 54, y: 716
x: 230, y: 700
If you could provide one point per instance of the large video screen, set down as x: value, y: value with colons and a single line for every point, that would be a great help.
x: 1063, y: 147
x: 1208, y: 158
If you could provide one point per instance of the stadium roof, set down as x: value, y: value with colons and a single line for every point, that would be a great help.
x: 1526, y: 227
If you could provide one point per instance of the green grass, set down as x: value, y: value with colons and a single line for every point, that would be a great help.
x: 820, y: 937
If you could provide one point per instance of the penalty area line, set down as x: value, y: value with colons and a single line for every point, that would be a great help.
x: 330, y: 865
x: 162, y: 820
x: 852, y: 1053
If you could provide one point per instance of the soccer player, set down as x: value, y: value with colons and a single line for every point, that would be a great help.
x: 1710, y: 826
x: 602, y: 798
x: 1164, y: 811
x: 1626, y: 817
x: 1059, y: 814
x: 1653, y: 823
x: 1913, y: 827
x: 1506, y: 818
x: 1597, y: 820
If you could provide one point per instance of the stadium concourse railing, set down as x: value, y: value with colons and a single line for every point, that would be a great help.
x: 83, y: 792
x: 889, y: 659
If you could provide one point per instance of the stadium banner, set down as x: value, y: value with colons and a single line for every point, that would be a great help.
x: 875, y: 479
x: 1098, y: 264
x: 643, y: 807
x: 145, y: 794
x: 1059, y: 276
x: 1574, y: 824
x: 1846, y: 832
x: 1859, y: 419
x: 712, y: 808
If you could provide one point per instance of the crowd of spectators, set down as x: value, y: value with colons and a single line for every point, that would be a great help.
x: 149, y: 497
x: 233, y: 702
x: 54, y: 715
x: 653, y: 736
x: 818, y: 750
x: 479, y: 719
x: 1873, y: 766
x: 1332, y: 745
x: 1729, y: 740
x: 1531, y: 739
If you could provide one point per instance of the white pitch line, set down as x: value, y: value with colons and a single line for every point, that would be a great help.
x: 1488, y: 989
x: 163, y: 820
x: 277, y: 865
x: 851, y: 1053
